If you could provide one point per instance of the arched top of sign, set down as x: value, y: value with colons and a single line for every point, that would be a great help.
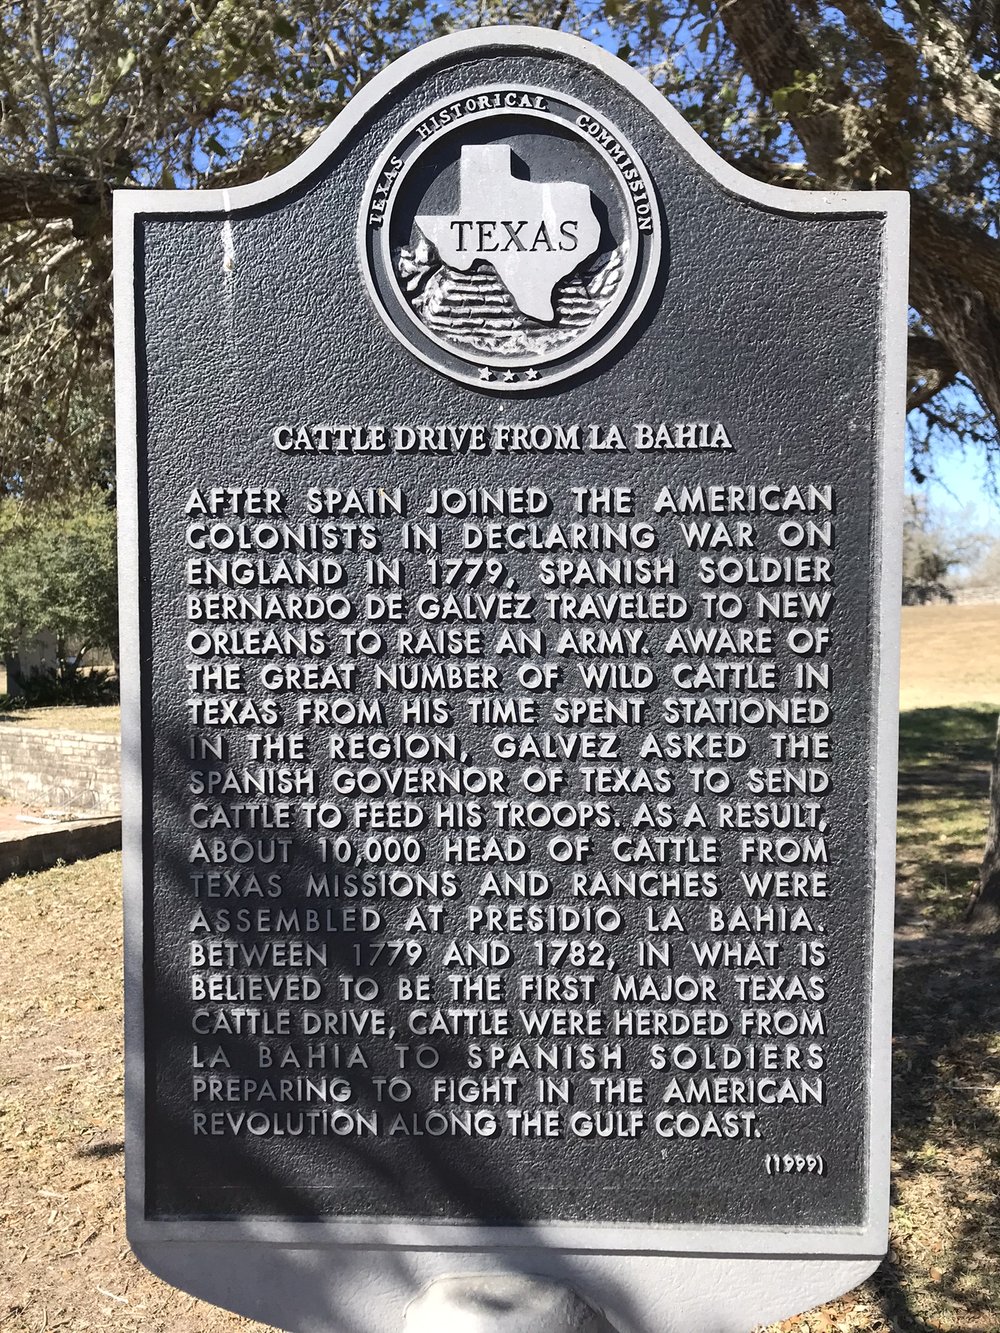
x: 424, y: 60
x: 509, y: 235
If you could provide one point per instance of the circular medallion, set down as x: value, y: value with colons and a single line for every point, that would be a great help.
x: 509, y: 237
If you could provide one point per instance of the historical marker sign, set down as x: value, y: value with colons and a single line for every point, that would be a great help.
x: 510, y: 501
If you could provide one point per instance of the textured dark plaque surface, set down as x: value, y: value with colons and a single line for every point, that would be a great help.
x: 507, y: 838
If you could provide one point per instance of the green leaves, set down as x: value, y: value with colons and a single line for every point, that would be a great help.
x: 58, y: 572
x: 284, y: 28
x: 219, y: 92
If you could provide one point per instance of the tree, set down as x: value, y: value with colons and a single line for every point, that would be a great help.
x: 58, y: 576
x: 934, y: 550
x: 841, y: 94
x: 862, y: 94
x: 98, y: 94
x: 984, y: 910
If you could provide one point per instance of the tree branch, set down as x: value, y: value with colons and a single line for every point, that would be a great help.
x: 964, y: 319
x: 902, y: 77
x: 882, y: 37
x: 920, y: 394
x: 774, y: 51
x: 957, y: 246
x: 964, y: 92
x: 955, y: 264
x: 184, y: 21
x: 559, y: 17
x: 38, y: 195
x: 929, y: 361
x: 39, y: 276
x: 925, y: 354
x: 38, y: 51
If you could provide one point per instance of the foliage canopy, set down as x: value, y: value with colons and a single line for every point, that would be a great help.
x: 944, y: 553
x: 58, y: 576
x: 101, y: 94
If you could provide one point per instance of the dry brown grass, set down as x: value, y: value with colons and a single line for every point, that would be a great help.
x: 950, y: 656
x: 100, y: 719
x: 64, y: 1260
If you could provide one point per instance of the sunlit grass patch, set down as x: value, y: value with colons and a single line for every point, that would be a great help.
x: 98, y: 718
x: 944, y: 759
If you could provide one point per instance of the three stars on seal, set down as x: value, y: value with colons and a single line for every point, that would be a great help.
x: 486, y: 373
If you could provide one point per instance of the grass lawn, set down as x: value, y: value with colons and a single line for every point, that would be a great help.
x: 943, y: 1268
x: 944, y: 756
x: 64, y: 1262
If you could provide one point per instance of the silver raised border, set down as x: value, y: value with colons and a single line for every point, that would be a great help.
x: 130, y: 207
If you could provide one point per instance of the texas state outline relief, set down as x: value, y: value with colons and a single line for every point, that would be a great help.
x: 533, y: 234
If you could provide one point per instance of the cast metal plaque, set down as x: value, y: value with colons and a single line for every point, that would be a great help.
x: 510, y: 518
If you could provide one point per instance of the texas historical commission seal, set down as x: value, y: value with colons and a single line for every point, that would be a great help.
x: 509, y: 237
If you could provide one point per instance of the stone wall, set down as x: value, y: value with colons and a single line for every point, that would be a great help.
x: 38, y: 848
x: 60, y: 770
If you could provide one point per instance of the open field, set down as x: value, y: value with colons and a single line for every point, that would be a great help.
x: 64, y: 1262
x: 950, y: 656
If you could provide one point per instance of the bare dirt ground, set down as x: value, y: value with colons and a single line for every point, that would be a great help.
x: 11, y: 813
x: 64, y: 1260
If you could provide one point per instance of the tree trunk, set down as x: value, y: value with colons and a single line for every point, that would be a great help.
x: 965, y: 321
x: 12, y: 669
x: 984, y: 911
x: 42, y: 195
x: 955, y: 263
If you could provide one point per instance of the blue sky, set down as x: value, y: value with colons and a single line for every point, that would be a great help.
x: 961, y: 483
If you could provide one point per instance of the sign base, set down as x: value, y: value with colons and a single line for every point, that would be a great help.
x: 318, y: 1289
x: 502, y: 1303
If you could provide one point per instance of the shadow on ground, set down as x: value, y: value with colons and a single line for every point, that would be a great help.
x: 944, y: 1271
